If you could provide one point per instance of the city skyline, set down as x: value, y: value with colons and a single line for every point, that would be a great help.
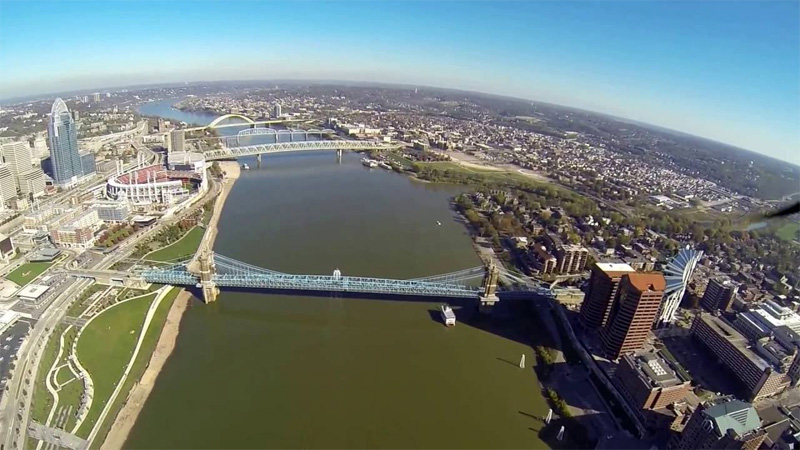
x: 733, y: 80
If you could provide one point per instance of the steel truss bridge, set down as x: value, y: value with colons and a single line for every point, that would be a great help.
x: 289, y: 134
x: 228, y: 272
x: 282, y: 147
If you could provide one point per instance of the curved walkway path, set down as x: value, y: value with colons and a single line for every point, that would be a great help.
x: 161, y: 293
x: 87, y: 379
x: 50, y: 388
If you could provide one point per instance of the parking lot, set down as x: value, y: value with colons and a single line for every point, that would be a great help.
x: 10, y: 342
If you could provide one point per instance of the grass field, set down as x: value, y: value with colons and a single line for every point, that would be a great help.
x: 27, y: 272
x: 104, y: 349
x: 62, y: 376
x: 139, y: 366
x: 187, y: 245
x: 42, y: 400
x: 493, y: 175
x: 788, y: 232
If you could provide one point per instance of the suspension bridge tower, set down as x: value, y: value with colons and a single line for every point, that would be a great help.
x: 206, y: 273
x: 489, y: 296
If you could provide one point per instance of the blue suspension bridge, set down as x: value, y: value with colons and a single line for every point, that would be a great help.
x: 211, y: 271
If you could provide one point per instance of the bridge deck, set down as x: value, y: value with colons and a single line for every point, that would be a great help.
x: 236, y: 274
x: 282, y: 147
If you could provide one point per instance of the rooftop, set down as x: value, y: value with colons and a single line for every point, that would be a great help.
x: 654, y: 369
x: 734, y: 337
x: 653, y: 281
x: 615, y: 268
x: 733, y: 415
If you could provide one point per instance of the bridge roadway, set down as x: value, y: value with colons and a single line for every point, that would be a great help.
x: 232, y: 273
x: 282, y: 147
x: 228, y: 272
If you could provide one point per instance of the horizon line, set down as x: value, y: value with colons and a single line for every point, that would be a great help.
x: 636, y: 122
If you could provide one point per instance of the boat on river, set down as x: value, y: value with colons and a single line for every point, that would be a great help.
x: 448, y: 316
x: 371, y: 163
x: 245, y: 167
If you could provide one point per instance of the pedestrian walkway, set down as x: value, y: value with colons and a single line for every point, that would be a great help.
x: 56, y: 437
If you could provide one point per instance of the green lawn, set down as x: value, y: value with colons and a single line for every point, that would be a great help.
x: 139, y: 366
x: 63, y: 375
x: 187, y: 245
x: 788, y: 232
x: 42, y: 400
x: 27, y: 272
x: 105, y: 347
x: 71, y: 394
x: 494, y: 176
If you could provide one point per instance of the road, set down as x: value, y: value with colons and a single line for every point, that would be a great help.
x: 14, y: 227
x: 16, y: 405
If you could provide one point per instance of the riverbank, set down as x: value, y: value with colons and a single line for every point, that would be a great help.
x: 138, y: 396
x: 232, y: 170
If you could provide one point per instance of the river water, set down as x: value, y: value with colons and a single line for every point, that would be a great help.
x: 281, y: 371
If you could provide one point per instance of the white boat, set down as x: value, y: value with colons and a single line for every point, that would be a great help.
x: 438, y: 223
x: 245, y: 167
x: 371, y: 163
x: 448, y: 316
x: 384, y: 165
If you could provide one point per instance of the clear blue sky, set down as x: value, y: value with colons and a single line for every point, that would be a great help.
x: 729, y: 71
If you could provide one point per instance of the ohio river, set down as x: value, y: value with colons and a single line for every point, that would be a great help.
x: 277, y: 371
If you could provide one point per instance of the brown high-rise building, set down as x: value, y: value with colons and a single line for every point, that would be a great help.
x: 633, y: 312
x: 723, y: 423
x: 719, y: 294
x: 602, y: 293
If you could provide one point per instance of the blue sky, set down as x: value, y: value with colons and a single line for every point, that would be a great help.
x: 729, y: 71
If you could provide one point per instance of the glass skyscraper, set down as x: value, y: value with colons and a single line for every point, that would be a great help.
x: 64, y: 155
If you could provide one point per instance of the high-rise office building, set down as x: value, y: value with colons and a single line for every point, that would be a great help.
x: 8, y: 184
x: 177, y: 140
x: 96, y: 96
x: 276, y: 110
x: 64, y: 145
x: 762, y: 366
x: 719, y: 294
x: 602, y: 293
x: 85, y: 99
x: 18, y: 157
x: 31, y: 182
x: 678, y: 273
x: 633, y: 313
x: 722, y: 423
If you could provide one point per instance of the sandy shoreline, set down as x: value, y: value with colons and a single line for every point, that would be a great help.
x: 127, y: 416
x: 138, y: 396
